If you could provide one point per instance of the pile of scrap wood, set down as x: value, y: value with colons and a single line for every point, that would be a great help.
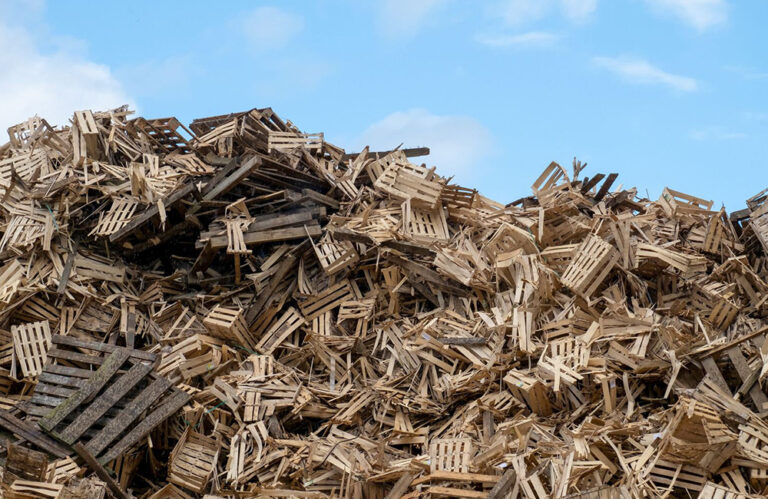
x: 237, y: 308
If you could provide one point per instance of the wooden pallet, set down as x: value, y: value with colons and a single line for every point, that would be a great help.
x: 166, y: 133
x: 101, y: 401
x: 117, y: 217
x: 450, y: 454
x: 424, y: 224
x: 31, y: 342
x: 40, y: 490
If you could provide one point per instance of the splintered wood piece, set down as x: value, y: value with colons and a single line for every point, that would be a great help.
x: 100, y: 471
x: 31, y: 342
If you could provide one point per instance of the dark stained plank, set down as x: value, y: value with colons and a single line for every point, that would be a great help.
x: 232, y: 180
x: 92, y: 387
x: 109, y: 398
x: 31, y: 434
x: 58, y: 353
x: 62, y: 288
x: 503, y: 485
x: 411, y: 152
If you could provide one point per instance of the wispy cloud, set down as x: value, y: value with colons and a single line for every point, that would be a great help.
x: 755, y: 116
x: 531, y: 39
x: 519, y: 12
x: 640, y: 71
x: 270, y: 27
x: 51, y: 84
x: 405, y: 18
x: 748, y: 73
x: 578, y: 10
x: 715, y: 133
x: 701, y: 14
x: 457, y: 143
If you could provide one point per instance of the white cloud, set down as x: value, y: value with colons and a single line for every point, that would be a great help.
x: 640, y: 71
x: 404, y: 18
x: 270, y: 27
x: 701, y: 14
x: 715, y: 133
x: 755, y: 116
x: 50, y: 84
x: 578, y: 10
x: 518, y: 12
x: 748, y: 73
x: 457, y: 143
x: 531, y: 39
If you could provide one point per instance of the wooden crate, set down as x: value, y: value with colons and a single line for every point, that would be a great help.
x: 193, y: 461
x: 593, y: 262
x: 31, y: 342
x: 335, y: 256
x: 283, y: 327
x: 328, y: 299
x: 26, y: 464
x: 285, y: 141
x: 401, y: 184
x: 530, y: 391
x: 229, y: 323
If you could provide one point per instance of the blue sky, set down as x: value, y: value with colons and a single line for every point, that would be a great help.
x: 664, y: 92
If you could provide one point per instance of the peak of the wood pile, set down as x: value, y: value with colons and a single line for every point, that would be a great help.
x: 237, y: 309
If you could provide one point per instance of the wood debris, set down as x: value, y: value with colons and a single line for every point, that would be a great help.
x: 237, y: 308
